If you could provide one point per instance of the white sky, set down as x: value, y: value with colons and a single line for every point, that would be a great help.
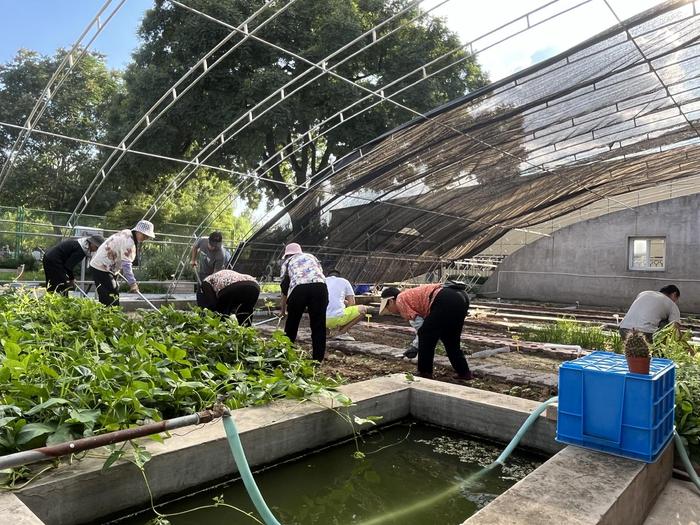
x: 471, y: 19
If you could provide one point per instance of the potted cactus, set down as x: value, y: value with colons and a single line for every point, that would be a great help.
x: 637, y: 352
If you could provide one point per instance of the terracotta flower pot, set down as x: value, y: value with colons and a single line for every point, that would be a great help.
x: 638, y: 365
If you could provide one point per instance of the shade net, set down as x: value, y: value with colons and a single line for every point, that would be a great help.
x: 615, y: 114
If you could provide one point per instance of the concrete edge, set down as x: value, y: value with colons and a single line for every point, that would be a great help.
x: 200, y: 456
x: 581, y: 487
x: 574, y: 486
x: 474, y: 411
x: 13, y: 510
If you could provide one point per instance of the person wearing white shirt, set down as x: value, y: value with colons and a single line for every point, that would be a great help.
x: 115, y: 257
x: 651, y: 311
x: 342, y: 313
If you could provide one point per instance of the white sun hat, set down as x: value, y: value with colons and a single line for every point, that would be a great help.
x: 145, y: 227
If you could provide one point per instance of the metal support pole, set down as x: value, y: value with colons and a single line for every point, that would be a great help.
x: 71, y: 447
x: 19, y: 227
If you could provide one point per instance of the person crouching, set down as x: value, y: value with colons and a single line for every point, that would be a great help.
x: 230, y: 293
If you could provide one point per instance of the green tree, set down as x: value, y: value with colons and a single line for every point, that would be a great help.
x: 173, y: 39
x: 49, y: 172
x: 192, y: 203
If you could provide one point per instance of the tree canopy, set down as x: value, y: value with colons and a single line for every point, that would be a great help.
x: 173, y: 39
x: 97, y: 104
x: 191, y: 204
x: 52, y: 173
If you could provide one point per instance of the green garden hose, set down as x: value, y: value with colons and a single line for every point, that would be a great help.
x: 244, y: 469
x: 686, y: 460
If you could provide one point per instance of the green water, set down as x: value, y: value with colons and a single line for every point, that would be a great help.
x: 411, y: 474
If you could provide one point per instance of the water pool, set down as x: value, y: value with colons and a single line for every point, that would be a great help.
x: 412, y: 474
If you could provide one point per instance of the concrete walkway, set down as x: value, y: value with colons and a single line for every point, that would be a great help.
x: 678, y: 504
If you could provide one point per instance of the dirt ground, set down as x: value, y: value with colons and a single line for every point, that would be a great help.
x: 359, y: 367
x: 354, y: 368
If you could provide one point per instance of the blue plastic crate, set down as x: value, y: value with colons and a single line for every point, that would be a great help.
x: 605, y: 407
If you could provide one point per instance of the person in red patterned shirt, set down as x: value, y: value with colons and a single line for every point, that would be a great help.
x: 437, y: 312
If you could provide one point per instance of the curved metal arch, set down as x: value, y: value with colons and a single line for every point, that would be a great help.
x: 142, y: 153
x: 609, y: 198
x: 526, y: 17
x: 172, y: 93
x: 378, y: 93
x: 249, y: 116
x: 424, y: 77
x: 54, y: 84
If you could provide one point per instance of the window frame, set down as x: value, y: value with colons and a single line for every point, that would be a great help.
x: 630, y: 253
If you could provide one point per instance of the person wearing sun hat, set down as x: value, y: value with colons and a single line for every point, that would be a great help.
x: 437, y: 311
x: 116, y: 256
x: 61, y: 260
x: 304, y: 286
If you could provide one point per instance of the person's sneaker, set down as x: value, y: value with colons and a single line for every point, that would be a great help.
x: 425, y: 375
x: 344, y: 337
x: 464, y: 377
x: 411, y: 352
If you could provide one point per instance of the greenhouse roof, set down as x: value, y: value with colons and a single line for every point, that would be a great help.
x: 616, y: 114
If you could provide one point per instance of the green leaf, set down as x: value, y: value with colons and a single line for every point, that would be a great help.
x: 12, y: 349
x: 52, y: 402
x: 371, y: 420
x: 61, y: 435
x: 31, y: 431
x: 86, y: 416
x: 112, y: 458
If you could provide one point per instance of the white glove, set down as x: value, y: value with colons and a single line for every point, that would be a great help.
x: 416, y: 323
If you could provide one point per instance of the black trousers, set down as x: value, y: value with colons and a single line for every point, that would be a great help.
x: 56, y: 278
x: 444, y: 323
x: 107, y: 289
x: 313, y: 296
x: 238, y: 298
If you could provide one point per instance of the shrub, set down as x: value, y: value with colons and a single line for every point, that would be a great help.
x: 671, y: 344
x: 569, y: 332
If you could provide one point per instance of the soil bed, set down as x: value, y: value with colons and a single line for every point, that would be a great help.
x: 354, y: 368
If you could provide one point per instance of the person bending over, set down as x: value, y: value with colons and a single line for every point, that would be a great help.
x: 651, y: 311
x: 61, y: 260
x: 438, y: 313
x: 230, y: 293
x: 115, y: 258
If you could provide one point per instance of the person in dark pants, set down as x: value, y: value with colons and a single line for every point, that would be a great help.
x: 304, y: 287
x: 438, y: 313
x: 116, y: 257
x: 230, y: 293
x: 61, y: 260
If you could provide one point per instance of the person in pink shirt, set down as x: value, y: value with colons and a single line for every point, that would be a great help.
x: 437, y: 312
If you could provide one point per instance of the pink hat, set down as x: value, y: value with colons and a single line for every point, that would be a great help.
x: 291, y: 249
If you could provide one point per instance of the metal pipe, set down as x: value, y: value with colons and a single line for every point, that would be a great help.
x: 138, y: 292
x: 71, y: 447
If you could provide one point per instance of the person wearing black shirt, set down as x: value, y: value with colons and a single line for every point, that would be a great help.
x: 61, y: 260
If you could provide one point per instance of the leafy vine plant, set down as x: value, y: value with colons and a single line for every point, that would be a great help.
x: 71, y: 368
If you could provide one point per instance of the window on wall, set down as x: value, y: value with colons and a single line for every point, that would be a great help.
x: 647, y: 253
